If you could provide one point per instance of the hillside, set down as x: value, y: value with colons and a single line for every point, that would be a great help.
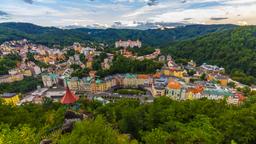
x: 234, y: 50
x: 153, y: 37
x: 130, y: 122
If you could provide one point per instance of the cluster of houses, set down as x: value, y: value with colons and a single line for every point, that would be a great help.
x: 171, y: 81
x: 22, y: 70
x: 179, y: 82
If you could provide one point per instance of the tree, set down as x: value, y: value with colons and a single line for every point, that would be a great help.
x: 91, y: 132
x: 20, y: 135
x: 155, y: 136
x: 71, y: 52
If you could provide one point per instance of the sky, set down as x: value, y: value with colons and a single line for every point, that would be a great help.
x: 127, y: 12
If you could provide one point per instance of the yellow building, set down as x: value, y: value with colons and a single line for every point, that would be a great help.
x: 167, y: 72
x: 98, y: 86
x: 89, y: 64
x: 11, y: 98
x: 178, y: 73
x: 17, y: 77
x: 26, y: 72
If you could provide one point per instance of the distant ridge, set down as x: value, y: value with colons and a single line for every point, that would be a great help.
x: 152, y: 37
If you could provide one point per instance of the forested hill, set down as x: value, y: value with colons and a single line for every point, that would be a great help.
x: 153, y: 37
x: 234, y: 49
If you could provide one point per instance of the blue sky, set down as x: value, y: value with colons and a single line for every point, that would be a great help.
x: 106, y: 12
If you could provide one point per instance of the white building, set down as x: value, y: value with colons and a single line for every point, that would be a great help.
x: 129, y: 43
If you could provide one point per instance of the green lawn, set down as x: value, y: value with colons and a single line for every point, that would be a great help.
x: 130, y: 91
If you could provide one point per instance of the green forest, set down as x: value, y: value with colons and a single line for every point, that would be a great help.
x: 130, y: 122
x: 234, y: 50
x: 8, y: 62
x: 123, y: 65
x: 28, y: 84
x: 50, y: 36
x: 230, y: 46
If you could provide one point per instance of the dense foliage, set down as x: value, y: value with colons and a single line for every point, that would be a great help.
x: 28, y: 84
x: 123, y: 65
x: 53, y: 36
x: 160, y: 122
x: 234, y: 50
x: 8, y: 62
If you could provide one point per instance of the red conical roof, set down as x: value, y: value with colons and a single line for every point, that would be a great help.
x: 69, y: 97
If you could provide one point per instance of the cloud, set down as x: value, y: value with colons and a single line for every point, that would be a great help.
x: 218, y: 18
x: 152, y: 2
x: 84, y: 12
x: 2, y: 13
x: 29, y: 1
x: 187, y: 19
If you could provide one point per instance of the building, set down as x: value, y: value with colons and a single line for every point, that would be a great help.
x: 36, y: 70
x: 174, y: 90
x: 49, y: 79
x: 158, y: 90
x: 130, y: 80
x: 11, y: 98
x: 211, y: 68
x: 73, y: 83
x: 11, y: 78
x: 129, y: 43
x: 55, y: 94
x: 69, y: 97
x: 85, y: 84
x: 144, y: 79
x: 216, y: 94
x: 223, y: 80
x: 194, y: 92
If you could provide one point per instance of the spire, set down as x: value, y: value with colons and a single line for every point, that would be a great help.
x: 69, y: 97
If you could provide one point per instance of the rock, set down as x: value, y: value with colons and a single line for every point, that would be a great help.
x: 46, y: 141
x: 73, y: 115
x: 67, y: 127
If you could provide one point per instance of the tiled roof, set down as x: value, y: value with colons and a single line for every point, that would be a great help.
x: 9, y: 95
x: 174, y: 85
x: 217, y: 92
x: 130, y: 76
x: 143, y: 76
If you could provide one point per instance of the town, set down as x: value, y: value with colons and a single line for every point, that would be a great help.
x: 78, y: 68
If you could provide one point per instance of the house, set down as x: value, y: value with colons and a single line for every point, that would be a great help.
x: 161, y: 81
x: 26, y: 72
x: 223, y: 80
x: 85, y: 84
x: 158, y: 89
x: 119, y: 80
x: 216, y: 94
x: 144, y: 79
x: 11, y: 78
x: 55, y: 93
x: 110, y: 82
x: 130, y: 80
x: 173, y: 90
x: 161, y: 58
x: 73, y: 83
x: 36, y: 70
x: 92, y: 74
x: 129, y: 43
x: 98, y: 86
x: 11, y: 98
x: 5, y: 79
x: 211, y: 68
x: 194, y: 93
x: 50, y: 79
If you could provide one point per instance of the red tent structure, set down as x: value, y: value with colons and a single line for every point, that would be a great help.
x: 69, y: 97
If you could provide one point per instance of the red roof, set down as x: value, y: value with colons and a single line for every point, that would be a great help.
x: 69, y: 97
x: 174, y: 85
